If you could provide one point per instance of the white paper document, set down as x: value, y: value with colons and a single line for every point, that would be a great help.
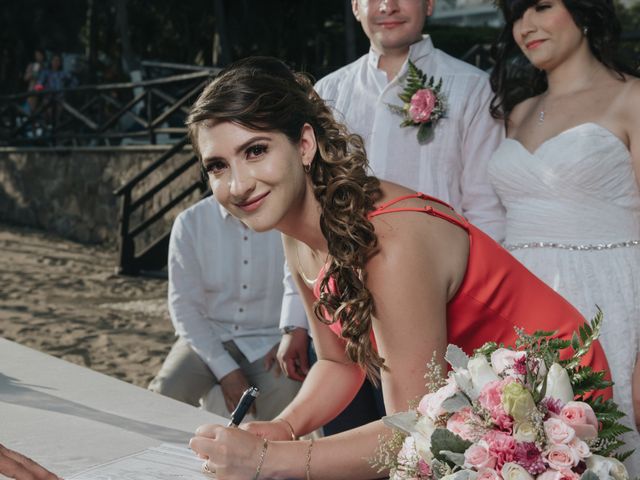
x: 166, y: 462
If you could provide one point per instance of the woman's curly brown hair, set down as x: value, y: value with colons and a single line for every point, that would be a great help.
x: 262, y: 93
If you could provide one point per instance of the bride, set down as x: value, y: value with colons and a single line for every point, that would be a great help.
x: 568, y: 171
x: 388, y: 276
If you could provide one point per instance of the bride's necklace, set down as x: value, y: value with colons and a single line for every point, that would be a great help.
x: 542, y: 112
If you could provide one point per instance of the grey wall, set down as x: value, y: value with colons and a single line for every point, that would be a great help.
x: 70, y: 191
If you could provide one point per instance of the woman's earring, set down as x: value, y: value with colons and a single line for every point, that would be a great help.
x: 307, y: 168
x: 585, y: 31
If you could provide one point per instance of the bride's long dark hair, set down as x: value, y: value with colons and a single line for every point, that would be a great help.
x: 514, y: 79
x: 261, y: 93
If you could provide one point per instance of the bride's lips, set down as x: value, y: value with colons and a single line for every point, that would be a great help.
x: 533, y: 44
x: 253, y: 203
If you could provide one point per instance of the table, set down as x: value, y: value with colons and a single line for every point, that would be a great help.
x: 68, y: 417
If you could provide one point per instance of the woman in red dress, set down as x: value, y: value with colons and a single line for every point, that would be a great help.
x: 395, y: 274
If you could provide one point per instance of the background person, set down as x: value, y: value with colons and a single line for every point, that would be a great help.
x: 225, y: 291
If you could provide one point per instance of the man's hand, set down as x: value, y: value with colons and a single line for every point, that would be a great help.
x: 293, y: 354
x: 270, y: 360
x: 19, y: 467
x: 233, y: 386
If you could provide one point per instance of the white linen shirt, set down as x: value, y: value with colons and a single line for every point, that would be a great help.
x: 225, y: 283
x: 451, y: 167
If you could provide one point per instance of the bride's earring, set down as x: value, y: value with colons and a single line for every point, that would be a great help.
x: 585, y: 31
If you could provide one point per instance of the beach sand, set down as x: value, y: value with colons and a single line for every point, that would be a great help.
x: 64, y: 298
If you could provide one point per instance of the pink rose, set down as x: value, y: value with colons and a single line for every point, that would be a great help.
x: 422, y: 104
x: 558, y: 431
x: 569, y: 475
x: 550, y: 475
x: 431, y: 404
x: 477, y: 456
x: 580, y: 417
x: 560, y: 457
x: 465, y: 424
x: 488, y: 474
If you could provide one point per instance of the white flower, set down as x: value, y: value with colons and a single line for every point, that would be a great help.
x: 607, y: 468
x: 513, y: 471
x: 502, y: 359
x: 431, y: 404
x: 558, y: 384
x: 481, y: 373
x: 525, y: 432
x: 422, y: 438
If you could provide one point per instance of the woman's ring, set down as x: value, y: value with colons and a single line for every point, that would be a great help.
x: 206, y: 469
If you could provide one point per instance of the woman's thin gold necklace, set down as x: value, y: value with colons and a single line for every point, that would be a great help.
x: 306, y: 279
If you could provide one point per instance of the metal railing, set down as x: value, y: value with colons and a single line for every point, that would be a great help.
x: 151, y: 112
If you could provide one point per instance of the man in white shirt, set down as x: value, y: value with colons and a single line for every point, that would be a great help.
x: 452, y: 166
x: 225, y: 294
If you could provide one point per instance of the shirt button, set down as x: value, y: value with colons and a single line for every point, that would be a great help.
x: 246, y: 262
x: 246, y: 238
x: 241, y: 309
x: 236, y: 327
x: 244, y: 287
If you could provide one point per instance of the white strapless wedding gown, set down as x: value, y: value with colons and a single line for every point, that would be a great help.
x: 573, y: 219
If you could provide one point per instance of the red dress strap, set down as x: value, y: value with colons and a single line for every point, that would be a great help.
x: 384, y: 208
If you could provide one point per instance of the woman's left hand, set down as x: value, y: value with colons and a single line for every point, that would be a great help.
x: 230, y: 453
x: 17, y: 466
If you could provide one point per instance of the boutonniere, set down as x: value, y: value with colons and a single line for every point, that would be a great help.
x: 423, y: 103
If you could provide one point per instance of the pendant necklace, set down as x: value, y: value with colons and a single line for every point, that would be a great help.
x: 541, y: 113
x: 310, y: 283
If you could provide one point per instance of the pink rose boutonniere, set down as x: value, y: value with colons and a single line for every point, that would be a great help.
x: 423, y: 103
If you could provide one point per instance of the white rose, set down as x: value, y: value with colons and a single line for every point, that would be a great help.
x: 607, y: 468
x: 422, y: 438
x: 431, y: 404
x: 580, y: 448
x: 525, y: 432
x: 503, y: 359
x: 558, y: 384
x: 481, y: 373
x: 513, y: 471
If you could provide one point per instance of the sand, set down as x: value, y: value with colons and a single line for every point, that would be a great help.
x: 64, y: 298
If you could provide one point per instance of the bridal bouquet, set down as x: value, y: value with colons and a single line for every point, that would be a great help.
x: 510, y: 413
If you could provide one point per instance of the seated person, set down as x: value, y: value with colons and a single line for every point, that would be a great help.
x: 225, y: 294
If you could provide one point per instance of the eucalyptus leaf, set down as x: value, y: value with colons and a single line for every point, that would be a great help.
x: 455, y: 355
x: 403, y: 421
x: 445, y: 440
x: 455, y: 403
x: 453, y: 457
x: 589, y: 475
x: 425, y: 133
x: 463, y: 380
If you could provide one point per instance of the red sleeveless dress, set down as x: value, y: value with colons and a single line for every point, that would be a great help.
x: 497, y: 294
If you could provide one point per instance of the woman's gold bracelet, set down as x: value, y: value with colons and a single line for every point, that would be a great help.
x: 291, y: 430
x: 263, y: 453
x: 307, y: 468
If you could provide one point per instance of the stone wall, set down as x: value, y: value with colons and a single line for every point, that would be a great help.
x: 70, y: 191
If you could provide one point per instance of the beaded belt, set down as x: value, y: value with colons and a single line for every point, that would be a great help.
x: 566, y: 246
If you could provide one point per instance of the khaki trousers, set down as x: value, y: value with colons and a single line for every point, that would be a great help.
x: 185, y: 377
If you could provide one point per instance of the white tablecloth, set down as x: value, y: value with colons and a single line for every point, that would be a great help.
x: 68, y: 417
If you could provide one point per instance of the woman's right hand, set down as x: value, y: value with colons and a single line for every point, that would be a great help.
x: 273, y: 430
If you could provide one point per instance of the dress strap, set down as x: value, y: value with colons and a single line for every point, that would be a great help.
x: 384, y: 208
